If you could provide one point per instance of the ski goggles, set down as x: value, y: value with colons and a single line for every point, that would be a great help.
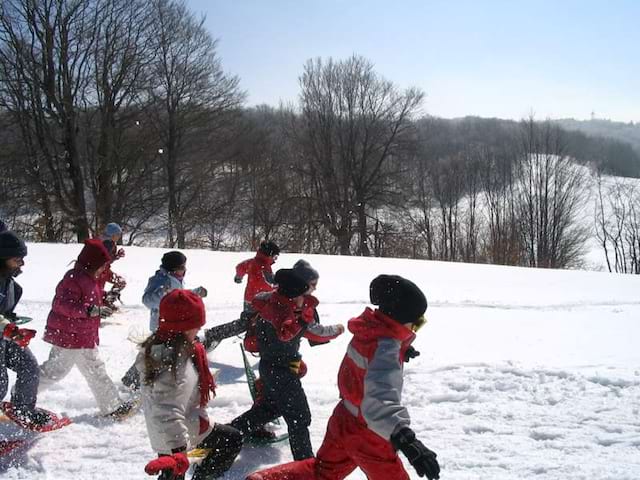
x: 419, y: 323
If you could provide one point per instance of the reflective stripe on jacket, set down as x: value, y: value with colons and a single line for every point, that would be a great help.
x: 370, y: 376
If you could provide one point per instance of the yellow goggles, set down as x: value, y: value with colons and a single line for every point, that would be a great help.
x: 419, y: 323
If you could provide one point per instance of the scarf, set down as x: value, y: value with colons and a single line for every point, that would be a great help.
x: 207, y: 383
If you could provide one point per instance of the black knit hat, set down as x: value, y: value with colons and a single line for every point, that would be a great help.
x: 305, y: 271
x: 397, y: 297
x: 269, y: 248
x: 11, y: 245
x: 173, y: 260
x: 289, y: 283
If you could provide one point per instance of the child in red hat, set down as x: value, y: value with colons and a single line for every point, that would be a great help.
x: 176, y: 388
x: 72, y: 330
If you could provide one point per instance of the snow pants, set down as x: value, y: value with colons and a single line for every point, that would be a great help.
x: 347, y: 444
x: 21, y: 361
x: 62, y: 360
x: 284, y: 396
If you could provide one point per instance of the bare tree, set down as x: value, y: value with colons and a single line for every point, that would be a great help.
x: 191, y: 95
x: 45, y: 58
x: 617, y: 224
x: 549, y: 194
x: 354, y: 121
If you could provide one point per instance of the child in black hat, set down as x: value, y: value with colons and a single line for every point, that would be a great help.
x: 370, y: 424
x: 14, y: 353
x: 284, y: 317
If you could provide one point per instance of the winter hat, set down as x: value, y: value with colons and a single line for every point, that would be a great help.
x: 304, y: 270
x: 173, y: 260
x: 269, y: 248
x: 289, y: 283
x: 11, y: 245
x: 112, y: 229
x: 181, y: 310
x: 397, y: 297
x: 93, y: 255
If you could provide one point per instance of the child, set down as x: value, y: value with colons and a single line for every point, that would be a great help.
x: 110, y: 238
x: 370, y: 424
x: 73, y: 326
x: 14, y: 353
x: 258, y: 269
x: 170, y: 276
x: 176, y: 387
x: 285, y: 316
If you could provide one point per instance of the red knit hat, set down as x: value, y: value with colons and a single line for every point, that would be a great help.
x: 181, y: 310
x: 93, y: 255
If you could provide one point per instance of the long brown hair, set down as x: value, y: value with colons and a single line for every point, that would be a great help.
x: 179, y: 346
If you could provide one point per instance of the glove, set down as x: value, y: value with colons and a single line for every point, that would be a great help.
x: 200, y: 291
x: 237, y: 279
x: 20, y: 336
x: 178, y: 464
x: 419, y: 456
x: 118, y: 282
x: 120, y: 253
x: 410, y: 353
x: 340, y: 329
x: 102, y: 312
x: 298, y: 367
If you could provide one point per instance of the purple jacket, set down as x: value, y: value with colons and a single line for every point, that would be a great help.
x: 69, y: 324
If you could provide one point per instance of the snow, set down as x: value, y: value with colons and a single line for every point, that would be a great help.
x: 524, y: 373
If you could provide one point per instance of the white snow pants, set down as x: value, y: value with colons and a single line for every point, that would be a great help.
x: 62, y: 360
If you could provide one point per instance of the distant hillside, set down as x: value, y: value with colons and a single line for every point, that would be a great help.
x: 626, y: 132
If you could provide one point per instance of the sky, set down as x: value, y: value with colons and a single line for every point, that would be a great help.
x: 490, y: 58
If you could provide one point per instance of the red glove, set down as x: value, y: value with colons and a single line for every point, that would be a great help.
x: 178, y: 463
x: 21, y: 336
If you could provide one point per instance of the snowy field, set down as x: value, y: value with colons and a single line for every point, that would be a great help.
x: 524, y: 374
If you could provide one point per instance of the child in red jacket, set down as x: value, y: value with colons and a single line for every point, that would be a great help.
x: 258, y: 270
x: 72, y: 330
x: 370, y: 424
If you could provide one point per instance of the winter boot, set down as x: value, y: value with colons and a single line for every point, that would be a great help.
x: 124, y: 410
x: 31, y: 417
x: 261, y: 434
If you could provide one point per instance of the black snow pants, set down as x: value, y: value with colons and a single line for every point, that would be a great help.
x: 283, y: 397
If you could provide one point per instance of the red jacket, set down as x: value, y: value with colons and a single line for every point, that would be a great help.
x: 69, y: 324
x: 370, y: 376
x: 260, y: 275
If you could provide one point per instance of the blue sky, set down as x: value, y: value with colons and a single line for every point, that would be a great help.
x: 492, y: 58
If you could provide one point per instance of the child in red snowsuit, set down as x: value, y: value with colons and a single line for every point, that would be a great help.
x: 259, y: 272
x: 370, y: 425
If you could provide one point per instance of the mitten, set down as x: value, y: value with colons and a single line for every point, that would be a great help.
x: 96, y: 311
x: 120, y: 253
x: 200, y: 291
x: 419, y: 456
x: 20, y: 336
x: 411, y: 353
x: 178, y: 464
x: 298, y: 367
x: 237, y: 279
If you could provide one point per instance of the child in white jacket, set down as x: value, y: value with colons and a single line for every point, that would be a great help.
x: 176, y: 387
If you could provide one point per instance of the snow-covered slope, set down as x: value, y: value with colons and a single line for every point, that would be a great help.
x: 523, y: 374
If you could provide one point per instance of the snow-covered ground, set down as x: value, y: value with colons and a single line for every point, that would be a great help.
x: 524, y: 373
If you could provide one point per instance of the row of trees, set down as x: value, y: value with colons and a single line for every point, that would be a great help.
x: 119, y: 110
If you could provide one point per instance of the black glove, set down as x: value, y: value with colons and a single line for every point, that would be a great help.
x: 96, y: 311
x: 237, y: 279
x: 419, y: 456
x: 411, y: 353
